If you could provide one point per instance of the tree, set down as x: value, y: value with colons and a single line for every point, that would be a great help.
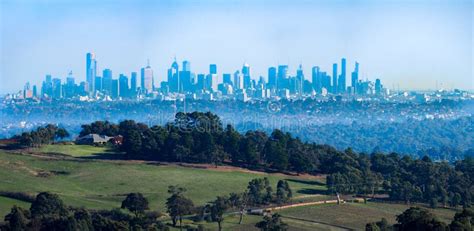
x: 178, y: 205
x: 463, y: 221
x: 283, y: 193
x: 135, y: 203
x: 218, y: 208
x: 273, y: 223
x: 17, y: 219
x: 416, y: 218
x: 47, y: 204
x: 239, y: 201
x: 62, y: 133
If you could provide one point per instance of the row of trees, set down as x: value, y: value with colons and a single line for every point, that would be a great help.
x: 416, y: 218
x: 42, y: 135
x: 48, y: 212
x: 404, y: 179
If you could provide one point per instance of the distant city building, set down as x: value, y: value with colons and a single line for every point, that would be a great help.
x: 91, y: 71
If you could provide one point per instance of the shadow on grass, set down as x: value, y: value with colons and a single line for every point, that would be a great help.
x: 308, y: 182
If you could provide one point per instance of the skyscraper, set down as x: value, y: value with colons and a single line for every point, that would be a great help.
x: 213, y: 69
x: 282, y: 80
x: 334, y: 78
x: 91, y: 71
x: 355, y: 78
x: 342, y: 77
x: 186, y: 65
x: 123, y: 86
x: 133, y: 83
x: 227, y: 78
x: 147, y: 78
x: 272, y: 78
x: 107, y: 81
x: 316, y: 79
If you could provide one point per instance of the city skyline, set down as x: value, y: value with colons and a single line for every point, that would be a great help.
x: 406, y: 52
x: 239, y: 84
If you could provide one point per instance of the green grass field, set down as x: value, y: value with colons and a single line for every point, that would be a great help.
x: 102, y: 184
x: 75, y: 150
x: 357, y: 215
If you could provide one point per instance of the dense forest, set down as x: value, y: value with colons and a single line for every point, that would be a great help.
x: 440, y: 139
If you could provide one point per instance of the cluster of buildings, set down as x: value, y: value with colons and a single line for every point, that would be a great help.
x: 182, y: 82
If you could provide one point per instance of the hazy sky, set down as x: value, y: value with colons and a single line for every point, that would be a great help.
x: 410, y: 44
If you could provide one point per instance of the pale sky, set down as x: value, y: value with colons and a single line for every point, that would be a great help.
x: 411, y: 44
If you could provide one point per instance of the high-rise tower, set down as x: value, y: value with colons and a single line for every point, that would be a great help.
x: 91, y: 71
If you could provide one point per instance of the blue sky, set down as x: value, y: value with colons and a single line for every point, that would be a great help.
x: 410, y: 44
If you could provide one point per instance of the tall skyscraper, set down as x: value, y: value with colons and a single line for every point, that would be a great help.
x: 173, y: 76
x: 378, y: 87
x: 213, y: 69
x: 91, y: 71
x: 107, y: 81
x: 238, y: 80
x: 186, y: 66
x: 272, y: 78
x: 342, y: 77
x: 334, y: 79
x: 133, y: 83
x: 355, y: 78
x: 316, y: 79
x: 123, y: 86
x: 282, y: 80
x: 299, y: 80
x: 147, y: 77
x: 227, y: 78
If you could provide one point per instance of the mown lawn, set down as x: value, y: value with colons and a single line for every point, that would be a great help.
x: 98, y: 184
x: 357, y: 215
x: 75, y: 150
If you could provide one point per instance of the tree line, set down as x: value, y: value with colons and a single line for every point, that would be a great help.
x: 48, y: 212
x: 42, y: 135
x: 416, y: 218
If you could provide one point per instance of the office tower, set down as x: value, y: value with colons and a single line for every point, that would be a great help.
x: 355, y: 78
x: 173, y: 76
x: 334, y: 79
x: 342, y: 77
x: 98, y: 84
x: 186, y: 66
x: 57, y: 89
x: 227, y: 78
x: 147, y: 77
x: 246, y: 69
x: 47, y: 87
x: 133, y: 83
x: 213, y: 69
x: 91, y: 71
x: 200, y: 85
x: 238, y: 80
x: 123, y: 86
x: 272, y: 78
x: 325, y: 81
x: 35, y: 91
x: 115, y: 89
x: 211, y: 82
x: 70, y: 86
x: 299, y: 80
x: 107, y: 81
x: 378, y: 87
x: 316, y: 79
x: 282, y: 80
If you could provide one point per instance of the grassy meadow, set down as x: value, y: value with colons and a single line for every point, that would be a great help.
x: 102, y: 184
